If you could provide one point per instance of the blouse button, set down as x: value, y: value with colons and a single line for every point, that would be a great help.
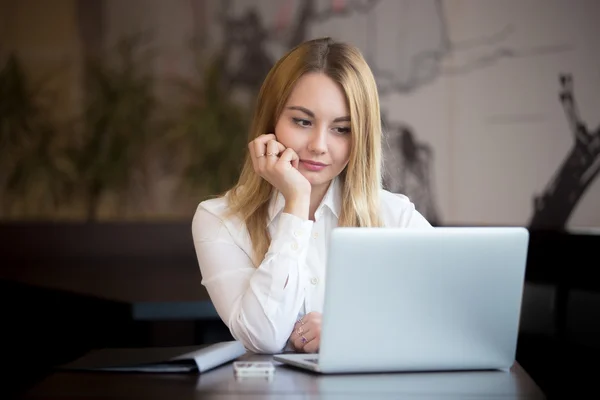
x: 314, y: 280
x: 294, y: 246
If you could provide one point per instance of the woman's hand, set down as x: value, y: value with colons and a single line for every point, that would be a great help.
x: 306, y: 336
x: 279, y: 166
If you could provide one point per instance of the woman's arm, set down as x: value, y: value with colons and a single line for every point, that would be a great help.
x: 258, y: 304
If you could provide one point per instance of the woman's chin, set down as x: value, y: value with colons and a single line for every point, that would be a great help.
x: 317, y: 180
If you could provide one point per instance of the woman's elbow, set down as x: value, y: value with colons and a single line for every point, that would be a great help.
x: 266, y: 347
x: 261, y: 342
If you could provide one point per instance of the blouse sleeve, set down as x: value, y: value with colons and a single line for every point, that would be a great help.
x: 254, y: 302
x: 410, y: 217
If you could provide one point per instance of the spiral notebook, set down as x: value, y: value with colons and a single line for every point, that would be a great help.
x: 180, y: 359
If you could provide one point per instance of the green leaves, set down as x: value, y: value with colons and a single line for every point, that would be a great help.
x: 117, y: 122
x: 35, y: 171
x: 210, y: 135
x: 102, y: 161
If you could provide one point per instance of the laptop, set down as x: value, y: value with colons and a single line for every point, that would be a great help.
x: 399, y: 299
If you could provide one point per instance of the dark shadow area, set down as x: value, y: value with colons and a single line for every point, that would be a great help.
x: 562, y: 356
x: 68, y: 288
x: 44, y: 327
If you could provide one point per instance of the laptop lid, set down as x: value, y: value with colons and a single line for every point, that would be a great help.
x: 435, y: 299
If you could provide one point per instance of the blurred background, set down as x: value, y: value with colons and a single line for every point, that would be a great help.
x: 118, y: 117
x: 137, y: 110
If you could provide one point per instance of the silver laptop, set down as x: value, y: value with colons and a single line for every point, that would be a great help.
x: 420, y: 300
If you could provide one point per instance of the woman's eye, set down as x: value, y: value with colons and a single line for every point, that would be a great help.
x: 342, y: 130
x: 301, y: 122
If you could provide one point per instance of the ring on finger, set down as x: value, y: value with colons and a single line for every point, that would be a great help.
x: 272, y: 154
x: 260, y: 155
x: 304, y: 340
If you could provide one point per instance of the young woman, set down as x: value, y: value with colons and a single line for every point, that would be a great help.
x: 313, y: 164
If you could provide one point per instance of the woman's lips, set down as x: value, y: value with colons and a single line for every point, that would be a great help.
x: 312, y: 165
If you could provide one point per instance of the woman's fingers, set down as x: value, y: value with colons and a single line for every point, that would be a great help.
x: 274, y: 149
x: 258, y: 150
x: 302, y: 339
x: 307, y: 333
x: 312, y: 346
x: 260, y: 144
x: 289, y: 157
x: 304, y: 335
x: 278, y: 166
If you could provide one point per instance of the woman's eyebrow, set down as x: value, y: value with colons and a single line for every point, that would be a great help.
x: 342, y: 119
x: 303, y: 109
x: 312, y: 114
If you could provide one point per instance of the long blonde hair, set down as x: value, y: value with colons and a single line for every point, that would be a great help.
x: 360, y: 180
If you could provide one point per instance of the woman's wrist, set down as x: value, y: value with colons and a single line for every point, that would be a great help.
x: 298, y: 206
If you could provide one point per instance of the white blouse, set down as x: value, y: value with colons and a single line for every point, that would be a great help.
x: 254, y: 301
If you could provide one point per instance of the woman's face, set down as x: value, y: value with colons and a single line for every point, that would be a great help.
x: 315, y: 123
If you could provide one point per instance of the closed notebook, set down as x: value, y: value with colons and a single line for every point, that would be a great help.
x: 180, y: 359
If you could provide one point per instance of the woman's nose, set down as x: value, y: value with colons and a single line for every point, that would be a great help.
x: 318, y: 140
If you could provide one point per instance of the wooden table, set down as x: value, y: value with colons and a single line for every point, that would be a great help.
x: 289, y: 382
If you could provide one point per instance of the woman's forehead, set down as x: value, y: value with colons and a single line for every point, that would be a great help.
x: 319, y: 94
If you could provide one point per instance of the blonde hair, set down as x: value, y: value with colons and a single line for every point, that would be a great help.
x: 360, y: 180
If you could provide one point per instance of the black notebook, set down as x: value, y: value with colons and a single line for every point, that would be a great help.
x: 179, y: 359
